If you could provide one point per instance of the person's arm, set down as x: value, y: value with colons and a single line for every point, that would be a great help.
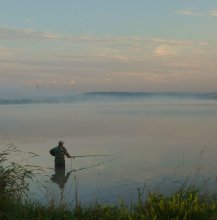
x: 66, y: 153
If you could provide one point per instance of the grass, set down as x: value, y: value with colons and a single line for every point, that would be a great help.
x: 13, y: 177
x: 185, y: 204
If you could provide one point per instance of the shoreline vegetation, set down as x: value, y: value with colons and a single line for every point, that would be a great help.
x: 188, y: 202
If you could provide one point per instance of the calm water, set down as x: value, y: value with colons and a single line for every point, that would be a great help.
x: 156, y: 143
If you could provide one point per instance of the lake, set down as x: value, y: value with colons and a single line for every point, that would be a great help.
x: 156, y: 142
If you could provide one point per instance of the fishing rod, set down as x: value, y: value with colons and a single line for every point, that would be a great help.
x: 94, y: 155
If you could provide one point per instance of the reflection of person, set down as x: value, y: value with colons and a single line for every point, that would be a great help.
x: 59, y: 153
x: 60, y: 178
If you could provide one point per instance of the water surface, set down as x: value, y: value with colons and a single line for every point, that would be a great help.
x: 155, y: 142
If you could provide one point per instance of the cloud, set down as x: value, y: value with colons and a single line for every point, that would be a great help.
x: 176, y: 48
x: 186, y: 64
x: 113, y: 47
x: 29, y: 20
x: 98, y: 57
x: 108, y: 79
x: 115, y: 57
x: 54, y: 82
x: 4, y: 51
x: 191, y: 12
x: 117, y: 42
x: 25, y: 34
x: 163, y: 50
x: 72, y: 82
x: 178, y: 42
x: 213, y: 13
x: 8, y: 53
x: 123, y: 48
x: 188, y: 12
x: 32, y: 35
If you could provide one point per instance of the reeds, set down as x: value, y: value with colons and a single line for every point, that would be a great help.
x: 187, y: 203
x: 13, y: 176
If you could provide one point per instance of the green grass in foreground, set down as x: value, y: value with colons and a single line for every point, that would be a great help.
x: 183, y: 204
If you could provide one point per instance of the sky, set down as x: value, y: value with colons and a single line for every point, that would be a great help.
x: 76, y: 46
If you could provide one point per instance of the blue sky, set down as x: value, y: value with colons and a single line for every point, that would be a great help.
x: 101, y: 45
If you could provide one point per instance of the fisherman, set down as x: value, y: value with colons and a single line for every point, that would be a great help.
x: 59, y: 153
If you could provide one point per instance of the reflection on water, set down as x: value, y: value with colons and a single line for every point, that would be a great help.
x: 154, y: 143
x: 60, y: 178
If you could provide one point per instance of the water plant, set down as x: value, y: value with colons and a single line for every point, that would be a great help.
x: 189, y: 202
x: 13, y: 176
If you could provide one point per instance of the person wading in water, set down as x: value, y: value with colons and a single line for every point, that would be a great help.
x: 59, y: 153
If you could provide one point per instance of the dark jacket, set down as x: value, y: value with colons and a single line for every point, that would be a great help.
x: 59, y: 153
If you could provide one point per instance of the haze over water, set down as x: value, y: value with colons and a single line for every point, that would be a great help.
x: 53, y: 55
x: 155, y: 140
